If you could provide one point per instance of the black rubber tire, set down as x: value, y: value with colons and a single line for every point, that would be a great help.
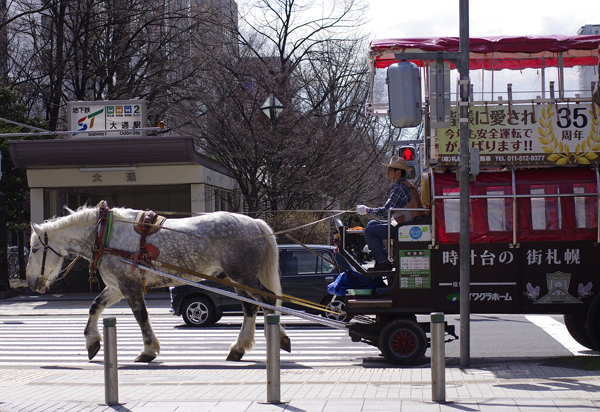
x: 198, y: 311
x: 576, y: 325
x: 402, y: 342
x: 593, y: 323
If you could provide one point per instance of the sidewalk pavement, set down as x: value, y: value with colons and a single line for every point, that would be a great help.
x: 495, y: 385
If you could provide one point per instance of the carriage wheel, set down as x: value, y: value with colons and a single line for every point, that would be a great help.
x: 577, y: 327
x: 198, y: 311
x: 402, y: 342
x: 593, y: 322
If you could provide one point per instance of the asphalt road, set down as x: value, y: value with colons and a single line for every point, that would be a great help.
x: 58, y: 340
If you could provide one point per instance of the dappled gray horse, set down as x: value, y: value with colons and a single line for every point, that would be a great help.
x: 240, y: 247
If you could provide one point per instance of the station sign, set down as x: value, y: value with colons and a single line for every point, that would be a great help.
x: 527, y: 135
x: 110, y: 118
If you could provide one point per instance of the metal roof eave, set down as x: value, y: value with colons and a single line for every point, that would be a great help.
x: 75, y: 153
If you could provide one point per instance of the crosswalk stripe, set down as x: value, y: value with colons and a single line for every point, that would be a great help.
x: 59, y: 340
x: 558, y: 331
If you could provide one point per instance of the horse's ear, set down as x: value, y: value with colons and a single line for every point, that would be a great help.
x: 37, y: 229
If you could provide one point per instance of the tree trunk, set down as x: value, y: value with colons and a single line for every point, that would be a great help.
x: 22, y: 263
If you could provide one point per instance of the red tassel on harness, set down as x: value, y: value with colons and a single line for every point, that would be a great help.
x: 151, y: 251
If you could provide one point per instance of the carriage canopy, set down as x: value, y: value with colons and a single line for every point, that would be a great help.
x: 496, y: 52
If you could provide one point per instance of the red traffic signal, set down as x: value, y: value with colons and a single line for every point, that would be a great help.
x: 407, y: 153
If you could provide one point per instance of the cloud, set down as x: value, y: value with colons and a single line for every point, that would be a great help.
x: 437, y: 18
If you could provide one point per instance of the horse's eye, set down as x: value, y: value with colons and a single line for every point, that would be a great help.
x: 34, y: 250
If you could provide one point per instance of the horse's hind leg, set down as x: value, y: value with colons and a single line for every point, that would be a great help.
x: 151, y: 343
x: 284, y: 339
x: 92, y: 335
x: 245, y: 340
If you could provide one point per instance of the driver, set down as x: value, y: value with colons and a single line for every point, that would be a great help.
x: 403, y: 195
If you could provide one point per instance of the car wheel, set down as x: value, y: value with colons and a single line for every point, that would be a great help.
x: 402, y: 342
x: 593, y: 322
x: 339, y: 309
x: 198, y: 311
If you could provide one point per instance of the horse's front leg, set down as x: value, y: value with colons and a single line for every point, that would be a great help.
x: 106, y: 298
x: 151, y: 343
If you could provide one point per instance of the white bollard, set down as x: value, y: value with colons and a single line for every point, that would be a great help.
x: 111, y: 377
x: 273, y: 361
x: 438, y: 358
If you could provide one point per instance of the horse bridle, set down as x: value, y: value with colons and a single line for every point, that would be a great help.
x: 46, y: 248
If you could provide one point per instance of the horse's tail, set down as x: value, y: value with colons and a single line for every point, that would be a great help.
x: 269, y: 272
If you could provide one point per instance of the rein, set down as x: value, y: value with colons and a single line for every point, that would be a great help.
x: 147, y: 252
x: 243, y: 238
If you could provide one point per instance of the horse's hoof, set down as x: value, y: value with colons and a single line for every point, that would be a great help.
x: 145, y: 358
x: 93, y: 350
x: 235, y: 355
x: 286, y: 344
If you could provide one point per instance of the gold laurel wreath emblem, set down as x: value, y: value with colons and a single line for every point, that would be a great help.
x: 559, y: 152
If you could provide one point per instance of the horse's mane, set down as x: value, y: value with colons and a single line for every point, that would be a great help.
x: 84, y: 216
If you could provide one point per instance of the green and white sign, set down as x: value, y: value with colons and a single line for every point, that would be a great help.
x: 415, y: 269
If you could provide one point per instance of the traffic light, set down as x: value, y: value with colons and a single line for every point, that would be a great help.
x: 409, y: 153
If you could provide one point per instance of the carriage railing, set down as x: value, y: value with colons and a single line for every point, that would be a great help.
x: 514, y: 196
x: 389, y: 223
x: 382, y: 108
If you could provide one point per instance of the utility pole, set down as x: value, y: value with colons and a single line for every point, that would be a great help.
x: 465, y: 241
x: 3, y: 44
x: 5, y: 291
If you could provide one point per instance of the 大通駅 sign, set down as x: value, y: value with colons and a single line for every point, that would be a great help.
x: 111, y: 118
x: 544, y: 134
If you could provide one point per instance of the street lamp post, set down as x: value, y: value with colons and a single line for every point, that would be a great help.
x: 272, y: 107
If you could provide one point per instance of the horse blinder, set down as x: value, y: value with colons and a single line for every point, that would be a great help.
x: 46, y: 248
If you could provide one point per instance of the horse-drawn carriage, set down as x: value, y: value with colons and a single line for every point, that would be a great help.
x: 533, y: 203
x: 534, y: 233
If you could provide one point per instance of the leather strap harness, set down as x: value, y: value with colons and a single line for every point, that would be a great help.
x: 147, y: 223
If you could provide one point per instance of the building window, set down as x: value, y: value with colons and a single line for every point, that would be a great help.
x: 221, y: 200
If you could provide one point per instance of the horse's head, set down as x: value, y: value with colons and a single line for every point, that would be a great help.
x: 45, y: 259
